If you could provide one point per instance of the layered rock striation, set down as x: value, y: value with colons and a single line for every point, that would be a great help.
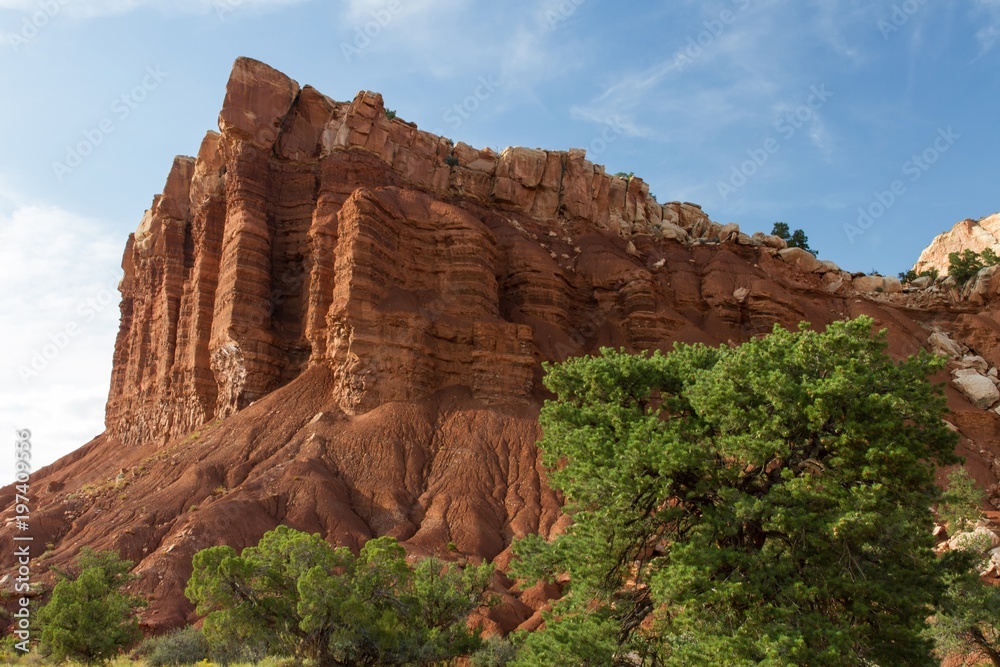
x: 336, y: 321
x: 976, y: 235
x: 312, y: 231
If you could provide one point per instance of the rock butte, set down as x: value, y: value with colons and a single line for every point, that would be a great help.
x: 333, y: 320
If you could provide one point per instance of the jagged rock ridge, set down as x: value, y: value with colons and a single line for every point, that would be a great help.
x: 333, y: 320
x: 264, y: 255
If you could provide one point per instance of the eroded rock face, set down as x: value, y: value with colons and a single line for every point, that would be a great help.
x: 977, y: 235
x: 336, y: 321
x: 262, y: 257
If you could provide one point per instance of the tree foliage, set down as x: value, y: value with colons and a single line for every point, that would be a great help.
x: 90, y: 618
x: 966, y: 626
x: 765, y: 504
x: 910, y: 275
x: 303, y: 597
x: 183, y: 646
x: 961, y: 504
x: 965, y: 265
x: 795, y: 239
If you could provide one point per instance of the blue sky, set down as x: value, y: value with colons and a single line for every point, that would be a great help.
x: 813, y: 113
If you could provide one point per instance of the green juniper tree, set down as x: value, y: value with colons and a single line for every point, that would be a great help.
x: 90, y: 618
x: 759, y: 505
x: 302, y: 597
x: 966, y: 625
x: 796, y: 239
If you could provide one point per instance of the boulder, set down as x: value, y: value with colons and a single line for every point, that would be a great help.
x: 827, y: 266
x: 775, y: 242
x: 673, y: 232
x: 729, y: 232
x: 977, y: 362
x: 868, y: 284
x: 803, y: 259
x: 982, y: 539
x: 940, y: 343
x: 965, y: 372
x: 978, y: 388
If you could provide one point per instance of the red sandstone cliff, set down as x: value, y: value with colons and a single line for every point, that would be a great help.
x: 333, y: 320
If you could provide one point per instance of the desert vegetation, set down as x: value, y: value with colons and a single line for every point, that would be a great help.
x: 766, y: 504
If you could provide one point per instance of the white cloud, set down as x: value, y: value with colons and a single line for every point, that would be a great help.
x: 527, y: 43
x: 735, y: 76
x: 989, y: 34
x: 60, y: 306
x: 362, y: 10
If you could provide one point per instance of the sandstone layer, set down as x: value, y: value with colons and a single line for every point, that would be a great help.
x: 336, y: 321
x: 977, y: 235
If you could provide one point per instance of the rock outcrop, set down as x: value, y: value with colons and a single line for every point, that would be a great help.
x: 334, y: 320
x: 977, y: 235
x: 283, y: 243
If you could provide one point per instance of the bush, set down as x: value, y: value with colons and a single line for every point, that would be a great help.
x: 910, y: 275
x: 966, y: 623
x: 961, y: 505
x: 451, y: 161
x: 89, y: 617
x: 185, y: 646
x: 965, y: 265
x: 294, y: 594
x: 496, y: 652
x: 390, y: 113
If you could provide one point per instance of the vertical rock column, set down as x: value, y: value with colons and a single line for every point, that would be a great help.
x: 194, y: 387
x: 243, y: 356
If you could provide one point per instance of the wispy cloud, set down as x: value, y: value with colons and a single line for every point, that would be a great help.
x: 988, y: 11
x: 59, y: 271
x: 444, y: 39
x: 731, y: 74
